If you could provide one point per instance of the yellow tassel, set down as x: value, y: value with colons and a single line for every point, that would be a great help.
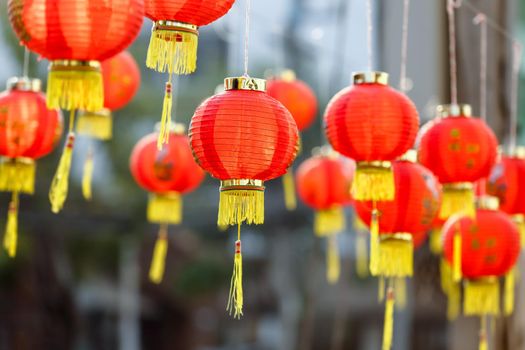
x: 290, y: 201
x: 519, y: 220
x: 173, y: 50
x: 481, y: 297
x: 165, y: 208
x: 98, y: 125
x: 17, y: 175
x: 381, y: 289
x: 361, y: 255
x: 454, y: 301
x: 510, y: 281
x: 388, y: 329
x: 374, y: 242
x: 329, y: 221
x: 373, y: 183
x: 396, y: 256
x: 235, y: 299
x: 165, y: 122
x: 75, y: 88
x: 223, y: 228
x: 158, y: 261
x: 401, y: 293
x: 483, y: 344
x: 60, y: 183
x: 436, y: 244
x: 11, y: 229
x: 457, y: 200
x: 87, y: 176
x: 238, y: 206
x: 333, y: 261
x: 456, y: 256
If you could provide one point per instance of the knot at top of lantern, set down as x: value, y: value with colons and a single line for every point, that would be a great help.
x: 453, y: 110
x: 197, y: 12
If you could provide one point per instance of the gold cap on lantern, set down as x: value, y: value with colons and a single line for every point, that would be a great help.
x: 370, y: 78
x: 515, y: 152
x: 324, y: 151
x: 175, y: 128
x: 409, y: 156
x: 454, y: 110
x: 288, y: 75
x: 244, y: 83
x: 487, y: 202
x: 24, y: 84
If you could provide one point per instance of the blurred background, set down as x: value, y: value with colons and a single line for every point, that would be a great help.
x: 80, y: 278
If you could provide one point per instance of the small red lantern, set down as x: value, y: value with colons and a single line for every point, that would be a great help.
x: 75, y: 35
x: 459, y: 150
x: 28, y: 131
x: 323, y: 183
x: 167, y: 175
x: 242, y: 137
x: 373, y: 124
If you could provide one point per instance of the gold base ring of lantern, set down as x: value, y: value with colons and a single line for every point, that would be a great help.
x: 370, y: 78
x: 244, y: 83
x: 165, y: 208
x: 487, y: 202
x: 458, y: 198
x: 374, y: 181
x: 74, y: 84
x: 98, y: 125
x: 453, y: 110
x: 24, y: 84
x: 17, y: 175
x: 396, y: 255
x: 241, y: 200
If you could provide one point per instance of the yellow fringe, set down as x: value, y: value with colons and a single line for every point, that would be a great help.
x: 17, y: 175
x: 333, y: 260
x: 510, y: 282
x: 238, y: 206
x: 481, y: 297
x: 60, y: 183
x: 87, y: 176
x: 396, y: 257
x: 75, y: 89
x: 11, y: 229
x: 361, y: 255
x: 381, y: 289
x: 235, y: 299
x: 456, y: 256
x: 436, y: 244
x: 98, y: 125
x: 401, y: 293
x: 374, y: 242
x: 173, y: 51
x: 373, y: 184
x: 451, y: 290
x: 165, y: 208
x: 329, y: 221
x: 165, y: 122
x: 158, y: 261
x: 483, y: 343
x: 290, y: 201
x: 388, y: 328
x: 457, y: 200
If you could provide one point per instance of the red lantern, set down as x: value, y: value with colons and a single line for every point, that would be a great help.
x: 167, y: 175
x: 323, y: 183
x: 459, y: 150
x: 28, y: 131
x: 75, y: 35
x: 482, y: 249
x: 373, y: 124
x: 242, y: 137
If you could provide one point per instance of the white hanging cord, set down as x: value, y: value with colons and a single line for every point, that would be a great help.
x: 246, y: 36
x: 481, y: 20
x: 516, y: 64
x: 451, y: 6
x: 369, y: 32
x: 403, y: 86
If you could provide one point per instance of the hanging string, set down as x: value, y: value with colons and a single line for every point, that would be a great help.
x: 25, y: 68
x: 451, y: 6
x: 369, y: 32
x: 246, y: 36
x: 403, y: 86
x: 481, y: 20
x: 516, y: 64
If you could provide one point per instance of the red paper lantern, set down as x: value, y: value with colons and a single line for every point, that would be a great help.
x: 481, y: 249
x: 242, y: 137
x: 415, y: 205
x: 373, y: 124
x: 167, y: 175
x: 459, y: 150
x: 28, y: 131
x: 75, y: 35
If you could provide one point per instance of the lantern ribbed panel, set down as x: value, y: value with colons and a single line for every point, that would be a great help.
x: 76, y: 29
x: 197, y: 12
x: 121, y: 76
x: 458, y: 149
x: 171, y: 170
x: 490, y: 243
x: 297, y: 97
x: 241, y: 134
x: 369, y: 122
x: 27, y: 127
x: 506, y: 181
x: 416, y: 203
x: 323, y: 182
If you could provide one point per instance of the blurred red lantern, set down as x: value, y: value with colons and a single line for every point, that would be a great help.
x: 75, y: 35
x: 242, y: 137
x: 167, y: 175
x: 323, y: 183
x: 373, y: 124
x: 459, y: 150
x: 28, y: 131
x: 481, y: 249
